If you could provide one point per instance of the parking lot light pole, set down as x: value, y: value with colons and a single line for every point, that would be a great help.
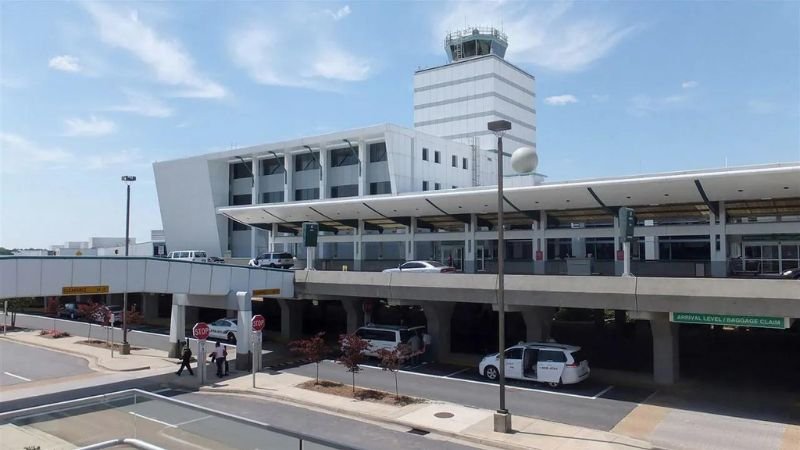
x: 126, y: 347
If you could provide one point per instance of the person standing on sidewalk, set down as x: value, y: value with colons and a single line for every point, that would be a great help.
x: 218, y: 358
x: 225, y: 357
x: 186, y: 359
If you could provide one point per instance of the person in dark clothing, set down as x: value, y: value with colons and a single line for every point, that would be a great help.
x: 225, y: 355
x: 186, y: 359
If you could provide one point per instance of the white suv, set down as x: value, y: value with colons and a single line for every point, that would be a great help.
x: 273, y: 259
x: 189, y: 255
x: 554, y: 364
x: 385, y: 337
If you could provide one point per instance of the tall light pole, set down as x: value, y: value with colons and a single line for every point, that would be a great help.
x: 126, y: 347
x: 523, y: 160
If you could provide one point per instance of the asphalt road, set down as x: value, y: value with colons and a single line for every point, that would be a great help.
x: 21, y: 363
x: 338, y: 429
x: 587, y: 404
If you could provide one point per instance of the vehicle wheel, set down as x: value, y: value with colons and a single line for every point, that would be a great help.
x: 272, y: 265
x: 491, y: 373
x: 231, y: 338
x: 555, y: 384
x: 72, y: 316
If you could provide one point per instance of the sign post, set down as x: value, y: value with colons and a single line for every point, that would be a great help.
x: 257, y: 323
x: 200, y: 332
x: 5, y: 314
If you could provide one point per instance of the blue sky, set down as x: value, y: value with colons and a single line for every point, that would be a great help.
x: 93, y: 91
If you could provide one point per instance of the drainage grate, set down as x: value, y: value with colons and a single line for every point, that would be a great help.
x: 444, y: 415
x: 419, y: 432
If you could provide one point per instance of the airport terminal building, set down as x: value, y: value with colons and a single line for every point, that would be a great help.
x: 385, y: 194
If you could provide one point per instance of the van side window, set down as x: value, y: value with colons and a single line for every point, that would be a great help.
x: 514, y: 353
x: 552, y: 356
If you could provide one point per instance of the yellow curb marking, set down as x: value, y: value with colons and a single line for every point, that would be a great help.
x: 641, y: 422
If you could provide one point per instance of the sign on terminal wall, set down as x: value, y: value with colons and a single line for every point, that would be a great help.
x: 730, y: 321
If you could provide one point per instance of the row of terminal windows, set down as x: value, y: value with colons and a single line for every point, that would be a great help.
x: 437, y: 158
x: 436, y: 186
x: 307, y: 161
x: 349, y: 190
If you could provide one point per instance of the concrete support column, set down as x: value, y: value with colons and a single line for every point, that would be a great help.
x: 666, y: 350
x: 358, y: 246
x: 243, y: 341
x: 470, y: 244
x: 538, y: 322
x: 578, y: 247
x: 411, y: 243
x: 539, y: 242
x: 363, y: 158
x: 618, y: 265
x: 719, y: 242
x: 323, y: 165
x: 288, y: 188
x: 438, y: 315
x: 254, y: 200
x: 355, y: 315
x: 291, y: 319
x: 650, y: 244
x: 177, y: 325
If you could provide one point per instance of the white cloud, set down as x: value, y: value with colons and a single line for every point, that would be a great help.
x: 277, y: 55
x: 340, y: 14
x: 762, y: 107
x: 66, y: 63
x: 88, y: 128
x: 17, y: 153
x: 124, y: 157
x: 143, y: 104
x: 691, y: 84
x: 550, y: 35
x: 166, y: 57
x: 561, y: 100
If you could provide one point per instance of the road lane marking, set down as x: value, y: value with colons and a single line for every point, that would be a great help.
x: 152, y: 419
x: 486, y: 383
x: 600, y: 394
x: 456, y: 372
x: 17, y: 376
x: 192, y: 421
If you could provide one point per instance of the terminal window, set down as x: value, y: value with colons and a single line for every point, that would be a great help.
x: 424, y: 154
x: 348, y: 190
x: 272, y: 197
x: 241, y: 170
x: 437, y: 157
x: 343, y: 157
x: 306, y: 194
x: 424, y: 185
x: 272, y: 166
x: 236, y: 226
x: 454, y: 161
x: 464, y: 163
x: 437, y: 186
x: 243, y: 199
x: 377, y: 152
x: 381, y: 187
x: 305, y: 161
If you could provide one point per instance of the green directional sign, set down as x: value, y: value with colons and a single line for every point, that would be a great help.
x: 730, y: 321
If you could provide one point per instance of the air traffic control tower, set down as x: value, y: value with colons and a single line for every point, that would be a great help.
x: 476, y: 86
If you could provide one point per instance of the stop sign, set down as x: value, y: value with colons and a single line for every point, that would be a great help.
x: 258, y: 322
x: 200, y: 331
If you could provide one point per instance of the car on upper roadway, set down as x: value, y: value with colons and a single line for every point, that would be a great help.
x: 226, y: 329
x: 216, y: 259
x: 189, y: 255
x: 273, y: 259
x: 554, y: 364
x: 422, y: 266
x: 791, y: 274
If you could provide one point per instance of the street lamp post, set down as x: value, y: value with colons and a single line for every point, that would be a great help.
x: 523, y: 160
x: 126, y: 347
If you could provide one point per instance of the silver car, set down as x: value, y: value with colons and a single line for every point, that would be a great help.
x: 422, y: 266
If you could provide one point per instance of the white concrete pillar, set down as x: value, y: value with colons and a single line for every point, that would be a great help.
x: 363, y: 158
x: 650, y: 244
x: 358, y: 246
x: 291, y: 319
x: 410, y: 242
x: 272, y: 235
x: 470, y: 244
x: 719, y: 250
x: 578, y: 247
x: 355, y: 314
x: 438, y: 315
x: 618, y: 265
x: 540, y: 244
x: 666, y: 350
x: 538, y: 322
x: 254, y: 200
x: 288, y: 166
x: 322, y: 156
x: 177, y: 324
x: 243, y: 340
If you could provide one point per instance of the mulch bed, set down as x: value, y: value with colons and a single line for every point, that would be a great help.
x: 104, y: 344
x: 346, y: 390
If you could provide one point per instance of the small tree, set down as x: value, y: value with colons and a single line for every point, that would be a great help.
x: 16, y: 305
x: 352, y: 354
x: 392, y: 360
x: 92, y: 312
x: 312, y: 349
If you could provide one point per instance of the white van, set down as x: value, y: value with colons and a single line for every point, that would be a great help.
x: 189, y: 255
x: 554, y: 364
x: 385, y: 337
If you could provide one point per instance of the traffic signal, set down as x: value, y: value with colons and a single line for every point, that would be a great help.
x: 627, y: 223
x: 310, y: 233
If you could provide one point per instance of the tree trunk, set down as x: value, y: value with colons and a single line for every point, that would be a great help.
x: 396, y: 388
x: 317, y: 374
x: 13, y: 319
x: 354, y: 383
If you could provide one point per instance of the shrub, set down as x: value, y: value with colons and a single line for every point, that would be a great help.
x: 392, y: 360
x: 352, y: 354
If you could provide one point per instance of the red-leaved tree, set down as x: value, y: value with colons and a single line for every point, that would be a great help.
x: 313, y: 349
x: 392, y: 360
x: 352, y: 354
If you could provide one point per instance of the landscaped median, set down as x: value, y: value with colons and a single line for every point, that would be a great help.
x: 96, y: 351
x: 420, y: 415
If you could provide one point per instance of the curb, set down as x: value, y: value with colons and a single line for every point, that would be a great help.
x: 359, y: 415
x: 93, y: 360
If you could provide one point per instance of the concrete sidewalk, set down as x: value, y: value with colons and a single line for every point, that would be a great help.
x: 458, y: 421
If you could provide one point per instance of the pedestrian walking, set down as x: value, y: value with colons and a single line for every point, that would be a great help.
x: 218, y: 358
x: 186, y: 359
